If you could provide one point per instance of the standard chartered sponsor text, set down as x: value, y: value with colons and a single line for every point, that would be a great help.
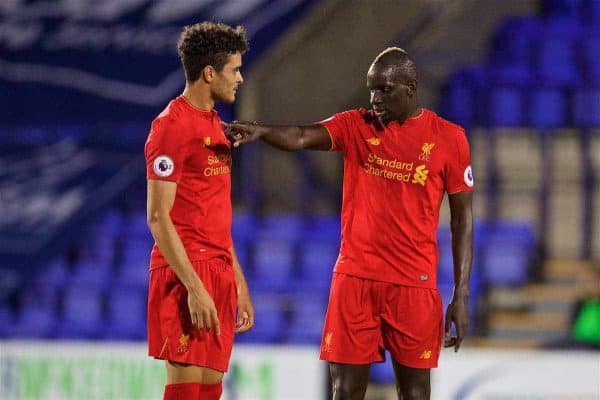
x: 212, y: 171
x: 389, y: 169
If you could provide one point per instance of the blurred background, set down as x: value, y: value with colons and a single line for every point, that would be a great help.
x: 81, y: 80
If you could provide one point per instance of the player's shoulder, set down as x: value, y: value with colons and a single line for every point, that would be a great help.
x: 359, y: 116
x: 172, y: 117
x: 444, y: 127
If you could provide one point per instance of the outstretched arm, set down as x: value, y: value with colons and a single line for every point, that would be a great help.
x: 461, y: 224
x: 288, y: 138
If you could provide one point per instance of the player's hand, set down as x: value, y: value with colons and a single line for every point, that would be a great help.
x: 457, y: 314
x: 241, y: 132
x: 245, y: 311
x: 202, y: 310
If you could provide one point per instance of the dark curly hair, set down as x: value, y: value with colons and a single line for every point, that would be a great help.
x: 209, y: 43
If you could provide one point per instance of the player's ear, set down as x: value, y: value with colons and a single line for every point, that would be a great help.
x: 412, y: 87
x: 208, y: 73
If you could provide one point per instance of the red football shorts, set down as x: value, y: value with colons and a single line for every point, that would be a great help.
x: 366, y: 317
x: 171, y: 335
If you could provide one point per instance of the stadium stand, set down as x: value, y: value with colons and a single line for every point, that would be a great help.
x: 531, y: 108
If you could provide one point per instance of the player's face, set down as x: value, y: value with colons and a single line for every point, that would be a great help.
x: 391, y: 93
x: 226, y: 82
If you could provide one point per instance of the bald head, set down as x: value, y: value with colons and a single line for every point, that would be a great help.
x: 397, y: 59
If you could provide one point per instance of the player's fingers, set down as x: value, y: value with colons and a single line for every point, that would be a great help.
x: 198, y: 321
x: 215, y: 320
x: 460, y: 335
x: 448, y: 325
x: 449, y: 342
x: 457, y: 344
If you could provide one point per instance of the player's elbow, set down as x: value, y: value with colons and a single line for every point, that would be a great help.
x: 155, y: 217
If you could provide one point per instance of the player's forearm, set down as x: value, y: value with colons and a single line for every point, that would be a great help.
x: 240, y: 279
x: 288, y: 138
x: 462, y: 252
x: 170, y: 245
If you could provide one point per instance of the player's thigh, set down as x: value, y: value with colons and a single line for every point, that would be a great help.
x: 412, y: 383
x: 352, y: 329
x: 413, y: 326
x: 180, y: 373
x: 349, y: 381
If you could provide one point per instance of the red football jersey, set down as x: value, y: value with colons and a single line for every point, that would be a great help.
x: 394, y: 182
x: 188, y: 146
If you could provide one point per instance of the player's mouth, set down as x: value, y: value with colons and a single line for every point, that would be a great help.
x: 380, y: 113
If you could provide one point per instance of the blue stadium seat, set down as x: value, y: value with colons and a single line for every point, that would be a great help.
x: 54, y: 274
x: 243, y: 229
x: 98, y: 248
x: 109, y: 224
x: 590, y: 11
x: 82, y: 313
x: 508, y: 253
x: 562, y: 27
x: 510, y: 75
x: 287, y: 226
x: 317, y: 259
x: 273, y: 263
x: 590, y: 48
x: 7, y: 320
x: 308, y: 316
x: 325, y: 226
x: 92, y: 274
x: 270, y: 321
x: 126, y: 314
x: 513, y: 40
x: 556, y: 62
x: 561, y: 7
x: 463, y: 88
x: 243, y: 226
x: 383, y: 373
x: 445, y: 272
x: 135, y: 259
x: 586, y: 108
x: 505, y: 107
x: 548, y: 108
x: 136, y: 227
x: 34, y: 321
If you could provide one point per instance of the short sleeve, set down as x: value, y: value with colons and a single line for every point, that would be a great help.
x: 166, y: 150
x: 459, y: 175
x: 339, y: 128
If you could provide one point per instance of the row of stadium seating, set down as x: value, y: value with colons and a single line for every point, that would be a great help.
x: 288, y: 261
x: 541, y: 71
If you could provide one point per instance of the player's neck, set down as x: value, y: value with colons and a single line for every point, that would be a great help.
x: 199, y: 98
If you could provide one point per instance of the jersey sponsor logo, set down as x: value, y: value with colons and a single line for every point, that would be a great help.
x: 163, y: 166
x: 426, y: 151
x: 221, y: 158
x: 420, y: 175
x: 375, y: 141
x: 426, y: 355
x: 468, y: 176
x: 390, y: 169
x: 183, y: 343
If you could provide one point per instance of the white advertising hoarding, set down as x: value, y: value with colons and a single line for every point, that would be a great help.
x: 474, y: 374
x: 87, y: 370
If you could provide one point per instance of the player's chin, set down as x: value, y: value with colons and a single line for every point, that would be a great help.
x: 230, y: 99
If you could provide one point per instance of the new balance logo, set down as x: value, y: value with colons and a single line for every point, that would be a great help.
x: 426, y: 355
x: 375, y: 141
